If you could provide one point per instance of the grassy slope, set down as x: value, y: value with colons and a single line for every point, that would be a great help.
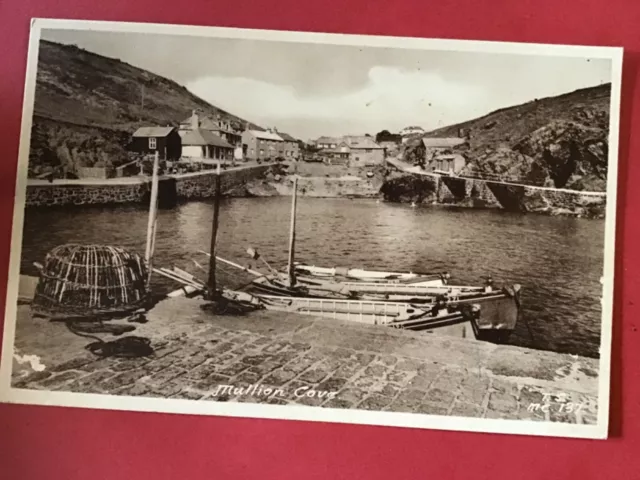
x: 559, y: 141
x: 87, y: 105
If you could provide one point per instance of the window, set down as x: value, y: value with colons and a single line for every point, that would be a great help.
x: 152, y: 143
x: 261, y: 152
x: 251, y: 151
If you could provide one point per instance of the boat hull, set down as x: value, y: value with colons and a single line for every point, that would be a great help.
x: 357, y: 274
x: 493, y: 316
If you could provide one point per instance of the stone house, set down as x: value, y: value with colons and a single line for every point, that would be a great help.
x: 443, y: 154
x: 291, y: 147
x: 199, y: 143
x: 262, y: 145
x: 223, y: 128
x: 338, y: 155
x: 364, y: 151
x: 327, y: 142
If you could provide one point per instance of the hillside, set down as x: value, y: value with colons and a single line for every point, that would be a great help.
x: 87, y: 105
x: 557, y: 141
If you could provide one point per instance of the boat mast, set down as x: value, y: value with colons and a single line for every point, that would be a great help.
x: 212, y: 287
x: 152, y: 224
x: 292, y: 234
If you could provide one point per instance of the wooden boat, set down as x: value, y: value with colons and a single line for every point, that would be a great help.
x: 383, y: 292
x: 277, y: 283
x: 358, y: 274
x: 493, y: 317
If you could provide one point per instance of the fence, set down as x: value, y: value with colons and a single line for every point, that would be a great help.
x: 95, y: 172
x: 501, y: 179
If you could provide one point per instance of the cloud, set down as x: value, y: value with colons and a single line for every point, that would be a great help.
x: 392, y: 98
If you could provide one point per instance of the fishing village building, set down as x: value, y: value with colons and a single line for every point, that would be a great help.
x: 408, y: 132
x: 442, y: 154
x: 164, y: 140
x: 223, y: 128
x: 352, y: 150
x: 291, y: 147
x: 339, y: 155
x: 202, y: 144
x: 328, y: 142
x: 262, y: 145
x: 364, y: 151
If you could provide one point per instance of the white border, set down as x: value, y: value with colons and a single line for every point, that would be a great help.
x: 113, y: 402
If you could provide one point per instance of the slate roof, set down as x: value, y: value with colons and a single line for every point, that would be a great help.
x: 286, y: 137
x: 362, y: 142
x: 266, y: 135
x: 203, y: 137
x: 443, y: 142
x: 328, y: 140
x: 160, y: 132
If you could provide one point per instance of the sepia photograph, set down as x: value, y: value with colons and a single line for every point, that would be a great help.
x: 340, y: 228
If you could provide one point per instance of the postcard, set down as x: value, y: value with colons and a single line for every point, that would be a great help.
x: 355, y: 229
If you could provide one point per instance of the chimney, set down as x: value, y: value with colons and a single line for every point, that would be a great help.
x: 195, y: 121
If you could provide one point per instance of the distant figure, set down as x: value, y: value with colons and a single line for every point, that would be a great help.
x: 440, y: 307
x: 489, y: 286
x: 413, y: 204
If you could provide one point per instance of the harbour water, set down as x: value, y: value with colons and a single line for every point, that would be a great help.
x: 557, y: 260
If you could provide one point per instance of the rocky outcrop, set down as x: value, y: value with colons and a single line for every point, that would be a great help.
x: 411, y: 189
x: 559, y: 142
x: 474, y: 193
x: 319, y: 187
x: 571, y: 155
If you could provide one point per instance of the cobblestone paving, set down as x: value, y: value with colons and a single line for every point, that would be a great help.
x: 219, y: 363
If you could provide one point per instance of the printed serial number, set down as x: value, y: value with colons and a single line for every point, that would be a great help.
x: 556, y: 403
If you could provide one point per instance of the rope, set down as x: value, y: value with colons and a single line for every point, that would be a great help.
x: 126, y: 347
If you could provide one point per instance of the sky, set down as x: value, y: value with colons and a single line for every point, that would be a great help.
x: 310, y: 90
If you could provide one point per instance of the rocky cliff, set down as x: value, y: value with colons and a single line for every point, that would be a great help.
x: 558, y: 142
x: 88, y: 105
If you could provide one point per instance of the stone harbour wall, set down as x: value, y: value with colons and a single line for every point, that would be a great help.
x: 200, y: 185
x: 54, y: 194
x: 172, y: 188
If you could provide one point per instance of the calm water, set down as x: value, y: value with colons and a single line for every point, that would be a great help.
x: 557, y: 260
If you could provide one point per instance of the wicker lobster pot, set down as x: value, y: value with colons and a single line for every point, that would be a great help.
x: 90, y: 280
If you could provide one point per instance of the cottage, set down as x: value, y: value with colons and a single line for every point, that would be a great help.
x: 202, y: 144
x: 449, y: 164
x: 164, y: 140
x: 291, y: 146
x: 262, y: 145
x: 408, y: 132
x: 339, y: 155
x: 364, y: 151
x: 442, y: 154
x: 327, y: 142
x: 223, y: 128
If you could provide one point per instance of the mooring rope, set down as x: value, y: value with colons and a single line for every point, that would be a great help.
x: 127, y: 347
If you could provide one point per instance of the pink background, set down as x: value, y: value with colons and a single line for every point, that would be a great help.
x: 65, y: 443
